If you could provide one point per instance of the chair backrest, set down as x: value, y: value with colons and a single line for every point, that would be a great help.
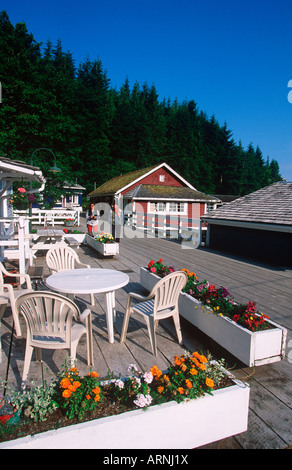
x: 167, y: 290
x: 61, y: 258
x: 48, y: 317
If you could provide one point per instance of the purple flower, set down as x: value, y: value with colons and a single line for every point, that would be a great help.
x: 225, y: 292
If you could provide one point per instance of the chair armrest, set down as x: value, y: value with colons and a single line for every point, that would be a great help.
x: 133, y: 295
x: 83, y: 264
x: 26, y: 277
x: 9, y: 288
x: 85, y: 314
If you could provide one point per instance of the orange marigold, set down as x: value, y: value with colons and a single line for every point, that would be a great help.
x: 193, y: 371
x: 203, y: 359
x: 155, y: 371
x: 180, y: 390
x: 160, y: 389
x: 177, y: 361
x: 93, y: 374
x: 97, y: 398
x: 66, y: 393
x: 65, y: 383
x: 96, y: 390
x: 196, y: 354
x: 196, y: 362
x: 189, y: 383
x: 209, y: 383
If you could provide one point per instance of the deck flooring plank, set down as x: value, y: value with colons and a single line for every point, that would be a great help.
x: 274, y: 413
x: 259, y: 435
x: 270, y: 414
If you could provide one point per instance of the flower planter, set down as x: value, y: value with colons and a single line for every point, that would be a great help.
x: 105, y: 249
x: 201, y: 421
x: 21, y: 206
x: 80, y: 237
x: 69, y: 223
x: 251, y: 348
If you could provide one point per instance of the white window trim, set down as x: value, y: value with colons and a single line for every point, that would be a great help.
x: 167, y: 211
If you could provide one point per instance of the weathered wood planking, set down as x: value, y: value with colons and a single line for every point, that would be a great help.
x: 270, y: 416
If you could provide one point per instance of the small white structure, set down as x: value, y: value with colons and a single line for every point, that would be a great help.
x: 14, y: 240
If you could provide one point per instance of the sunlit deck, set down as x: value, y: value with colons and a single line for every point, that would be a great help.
x: 270, y: 414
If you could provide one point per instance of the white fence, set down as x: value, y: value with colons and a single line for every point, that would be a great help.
x: 177, y: 226
x: 15, y: 246
x: 50, y: 217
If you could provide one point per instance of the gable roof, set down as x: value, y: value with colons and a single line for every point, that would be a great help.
x: 269, y: 205
x: 156, y: 192
x: 120, y: 183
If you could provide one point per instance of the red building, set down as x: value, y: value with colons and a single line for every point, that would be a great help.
x: 156, y: 199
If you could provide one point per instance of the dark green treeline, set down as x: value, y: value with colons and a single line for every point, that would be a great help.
x: 98, y: 132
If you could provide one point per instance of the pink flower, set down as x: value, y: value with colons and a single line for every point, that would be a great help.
x: 148, y: 377
x: 153, y: 270
x: 21, y: 190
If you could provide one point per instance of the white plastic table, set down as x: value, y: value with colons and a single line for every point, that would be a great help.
x: 91, y: 281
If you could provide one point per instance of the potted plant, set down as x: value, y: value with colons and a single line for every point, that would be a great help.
x: 104, y: 243
x: 243, y: 331
x: 194, y: 393
x: 19, y: 200
x: 69, y: 222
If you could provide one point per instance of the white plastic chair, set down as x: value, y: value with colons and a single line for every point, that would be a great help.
x: 63, y: 258
x: 8, y: 295
x: 49, y: 320
x: 162, y: 302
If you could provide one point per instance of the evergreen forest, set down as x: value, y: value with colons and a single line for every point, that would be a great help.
x: 98, y: 132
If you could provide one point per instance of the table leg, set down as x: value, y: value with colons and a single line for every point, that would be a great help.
x: 110, y: 314
x: 90, y: 341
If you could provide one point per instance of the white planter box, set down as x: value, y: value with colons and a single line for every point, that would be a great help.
x: 80, y: 237
x: 105, y: 249
x: 186, y: 425
x: 252, y: 348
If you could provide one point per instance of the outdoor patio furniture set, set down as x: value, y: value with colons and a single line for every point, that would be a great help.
x: 54, y: 321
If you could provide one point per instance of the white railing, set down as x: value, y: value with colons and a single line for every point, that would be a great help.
x: 16, y: 246
x: 50, y: 217
x: 164, y: 225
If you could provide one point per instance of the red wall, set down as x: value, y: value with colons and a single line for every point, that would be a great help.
x: 153, y: 178
x: 194, y: 209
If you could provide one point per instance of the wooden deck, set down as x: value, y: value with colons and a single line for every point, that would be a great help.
x: 270, y: 416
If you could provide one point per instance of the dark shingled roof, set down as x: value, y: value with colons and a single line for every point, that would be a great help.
x: 153, y: 191
x: 269, y: 205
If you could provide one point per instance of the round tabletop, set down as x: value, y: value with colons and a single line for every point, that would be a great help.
x: 87, y: 281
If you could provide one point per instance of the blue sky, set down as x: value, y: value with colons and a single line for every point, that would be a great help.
x: 233, y: 57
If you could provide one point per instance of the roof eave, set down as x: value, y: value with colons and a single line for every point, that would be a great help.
x: 151, y: 171
x: 273, y: 227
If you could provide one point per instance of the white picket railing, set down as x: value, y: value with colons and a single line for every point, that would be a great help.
x: 177, y: 226
x: 50, y: 217
x: 16, y: 246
